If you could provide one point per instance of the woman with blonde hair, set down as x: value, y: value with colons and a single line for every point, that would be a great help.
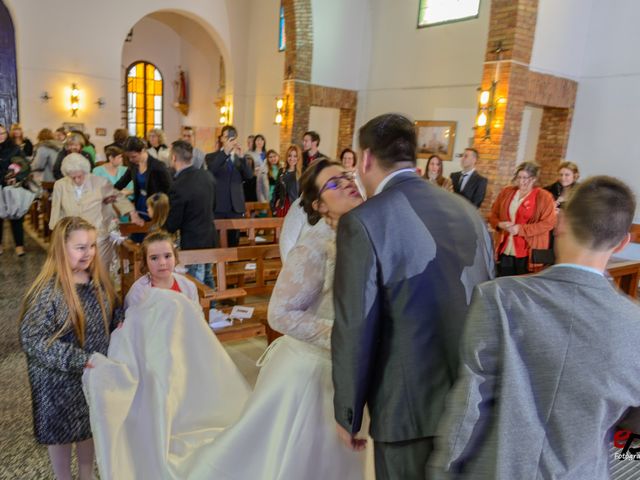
x: 568, y: 175
x: 67, y: 315
x: 287, y: 190
x: 157, y: 146
x: 73, y: 143
x: 23, y: 143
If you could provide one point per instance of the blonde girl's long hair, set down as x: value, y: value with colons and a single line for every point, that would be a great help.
x: 298, y: 151
x: 159, y: 202
x: 56, y: 267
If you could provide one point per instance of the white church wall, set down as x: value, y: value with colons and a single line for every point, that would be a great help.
x: 54, y: 50
x: 603, y: 137
x: 265, y: 71
x: 429, y: 73
x: 562, y: 29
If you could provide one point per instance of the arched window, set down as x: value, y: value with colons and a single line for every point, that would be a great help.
x: 144, y: 98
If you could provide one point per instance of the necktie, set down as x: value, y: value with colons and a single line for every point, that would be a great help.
x: 230, y: 163
x: 462, y: 177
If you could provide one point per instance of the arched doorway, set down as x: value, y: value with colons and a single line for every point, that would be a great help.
x: 8, y: 72
x: 187, y: 63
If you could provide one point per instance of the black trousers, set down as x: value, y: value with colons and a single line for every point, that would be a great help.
x: 16, y: 229
x: 403, y: 460
x: 233, y: 236
x: 508, y: 266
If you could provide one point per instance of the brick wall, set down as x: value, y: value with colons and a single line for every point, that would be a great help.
x: 512, y: 29
x: 298, y: 91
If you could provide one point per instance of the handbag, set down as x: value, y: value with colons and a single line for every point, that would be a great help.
x: 15, y: 202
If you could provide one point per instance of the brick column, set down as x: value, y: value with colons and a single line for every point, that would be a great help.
x: 297, y: 71
x: 512, y: 28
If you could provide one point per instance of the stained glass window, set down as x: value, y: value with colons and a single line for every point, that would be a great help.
x: 144, y: 98
x: 282, y: 38
x: 434, y: 12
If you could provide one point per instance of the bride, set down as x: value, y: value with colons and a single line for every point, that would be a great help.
x: 286, y: 430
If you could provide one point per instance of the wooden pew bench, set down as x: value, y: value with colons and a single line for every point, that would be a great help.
x: 239, y: 284
x: 250, y: 226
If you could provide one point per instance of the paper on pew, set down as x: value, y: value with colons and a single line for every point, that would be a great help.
x: 250, y: 266
x: 218, y: 319
x: 241, y: 312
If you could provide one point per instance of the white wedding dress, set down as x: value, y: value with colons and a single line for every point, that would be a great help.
x: 149, y: 423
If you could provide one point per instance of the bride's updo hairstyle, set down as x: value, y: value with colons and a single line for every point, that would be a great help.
x: 310, y: 190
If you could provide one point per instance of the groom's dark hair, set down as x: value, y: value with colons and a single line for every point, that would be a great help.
x: 391, y: 138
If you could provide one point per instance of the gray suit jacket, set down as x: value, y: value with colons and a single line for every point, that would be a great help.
x: 549, y: 366
x: 407, y: 262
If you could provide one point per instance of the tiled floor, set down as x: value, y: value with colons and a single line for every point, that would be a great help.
x: 20, y: 457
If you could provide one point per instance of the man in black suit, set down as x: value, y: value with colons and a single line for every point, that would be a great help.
x: 310, y: 152
x: 229, y: 169
x: 192, y: 200
x: 469, y: 183
x: 407, y: 261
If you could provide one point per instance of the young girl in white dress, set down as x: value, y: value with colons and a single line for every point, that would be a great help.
x: 159, y: 256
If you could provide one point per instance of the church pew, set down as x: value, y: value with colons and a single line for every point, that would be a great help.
x: 230, y: 264
x: 254, y: 208
x: 250, y: 226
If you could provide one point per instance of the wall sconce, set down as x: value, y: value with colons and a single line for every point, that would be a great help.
x: 75, y: 99
x: 225, y: 111
x: 45, y: 97
x: 281, y: 110
x: 101, y: 102
x: 486, y: 109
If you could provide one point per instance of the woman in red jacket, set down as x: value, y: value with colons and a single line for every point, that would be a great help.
x: 522, y: 216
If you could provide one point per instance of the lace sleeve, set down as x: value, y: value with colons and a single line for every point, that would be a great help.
x: 297, y: 294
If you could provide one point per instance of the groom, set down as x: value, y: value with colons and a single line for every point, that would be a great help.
x: 407, y: 262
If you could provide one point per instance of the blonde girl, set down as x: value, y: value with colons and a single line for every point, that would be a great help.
x: 158, y: 209
x: 159, y: 259
x: 67, y: 315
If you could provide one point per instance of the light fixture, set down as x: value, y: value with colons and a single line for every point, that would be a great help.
x: 45, y: 97
x: 225, y: 111
x: 75, y: 100
x: 101, y: 102
x: 487, y: 101
x: 281, y: 109
x: 486, y: 109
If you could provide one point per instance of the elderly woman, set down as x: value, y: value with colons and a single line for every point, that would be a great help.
x: 522, y: 216
x: 73, y: 143
x: 434, y: 174
x: 88, y: 196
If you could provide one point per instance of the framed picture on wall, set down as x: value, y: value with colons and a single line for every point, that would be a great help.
x: 435, y: 138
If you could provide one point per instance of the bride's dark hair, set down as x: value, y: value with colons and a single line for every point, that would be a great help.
x: 309, y: 188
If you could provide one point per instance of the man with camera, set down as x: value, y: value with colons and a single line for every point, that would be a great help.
x: 229, y: 169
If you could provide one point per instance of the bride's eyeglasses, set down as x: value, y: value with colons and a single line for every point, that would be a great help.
x: 335, y: 182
